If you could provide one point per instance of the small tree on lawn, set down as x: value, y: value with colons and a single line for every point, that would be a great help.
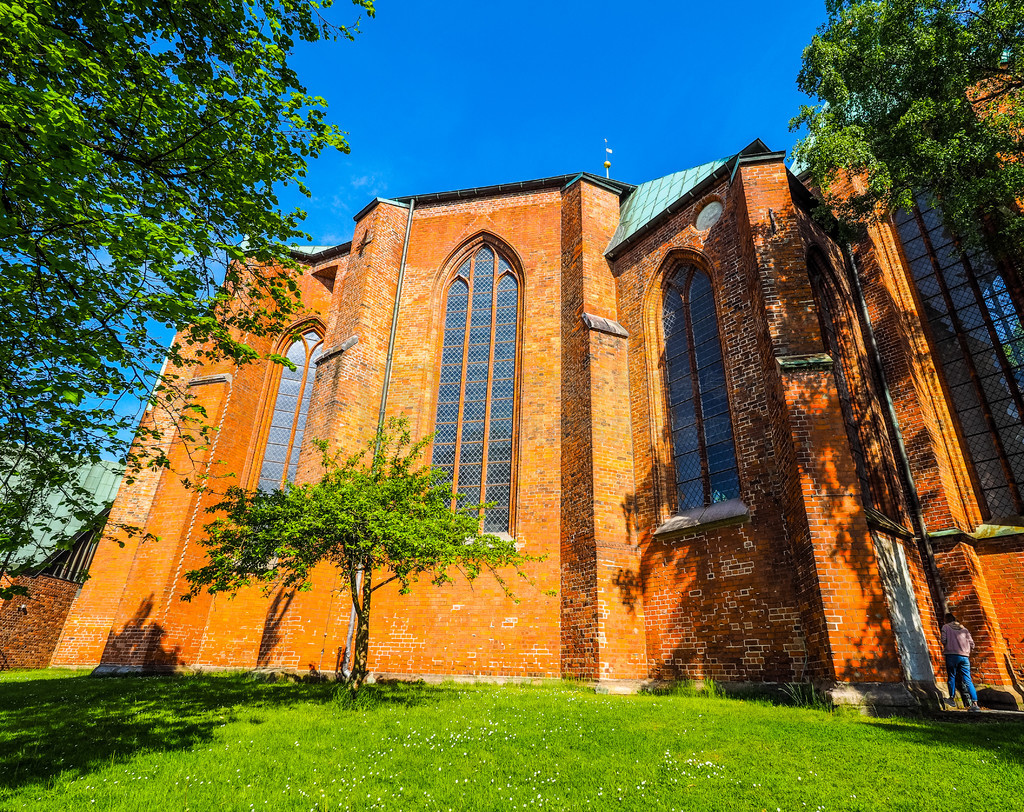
x: 387, y: 519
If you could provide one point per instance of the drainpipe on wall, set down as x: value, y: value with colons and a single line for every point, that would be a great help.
x: 346, y: 669
x: 903, y: 459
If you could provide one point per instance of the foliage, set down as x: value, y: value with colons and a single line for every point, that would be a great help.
x: 390, y: 517
x: 919, y: 95
x: 142, y: 147
x: 124, y: 743
x: 805, y: 695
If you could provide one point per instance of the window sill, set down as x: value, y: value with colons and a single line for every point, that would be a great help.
x: 709, y: 517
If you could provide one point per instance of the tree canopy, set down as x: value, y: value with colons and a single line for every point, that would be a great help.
x: 919, y: 95
x: 380, y: 516
x: 142, y: 149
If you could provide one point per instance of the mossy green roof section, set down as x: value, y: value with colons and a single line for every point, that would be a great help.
x: 652, y: 198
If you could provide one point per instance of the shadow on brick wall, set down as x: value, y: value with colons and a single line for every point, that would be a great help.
x: 140, y: 643
x: 630, y: 588
x: 701, y: 591
x: 276, y: 613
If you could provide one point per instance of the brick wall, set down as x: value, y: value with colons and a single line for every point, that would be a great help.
x: 1002, y: 561
x: 794, y: 592
x: 28, y: 637
x: 789, y: 591
x: 720, y: 603
x: 602, y: 606
x: 984, y: 604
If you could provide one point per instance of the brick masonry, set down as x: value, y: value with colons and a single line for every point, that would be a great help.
x: 788, y: 589
x: 30, y: 625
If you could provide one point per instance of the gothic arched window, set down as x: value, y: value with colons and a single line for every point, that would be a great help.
x: 975, y: 310
x: 288, y: 418
x: 698, y: 404
x: 475, y: 423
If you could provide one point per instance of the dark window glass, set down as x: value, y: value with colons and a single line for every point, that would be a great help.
x: 476, y: 395
x: 291, y: 407
x: 698, y: 404
x: 976, y: 323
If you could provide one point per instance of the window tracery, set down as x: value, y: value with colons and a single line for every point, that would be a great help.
x: 475, y: 420
x: 280, y: 457
x: 702, y: 442
x: 975, y: 313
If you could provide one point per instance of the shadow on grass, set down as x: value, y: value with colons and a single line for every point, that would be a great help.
x: 1005, y: 738
x: 79, y: 723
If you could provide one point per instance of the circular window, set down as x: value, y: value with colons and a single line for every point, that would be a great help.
x: 709, y: 215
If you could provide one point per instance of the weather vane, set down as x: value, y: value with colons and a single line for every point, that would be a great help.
x: 607, y: 163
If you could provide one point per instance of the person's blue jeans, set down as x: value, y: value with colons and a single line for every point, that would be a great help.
x: 959, y: 668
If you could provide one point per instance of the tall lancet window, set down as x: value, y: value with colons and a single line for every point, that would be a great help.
x: 475, y: 424
x: 975, y: 310
x: 702, y: 446
x: 288, y: 419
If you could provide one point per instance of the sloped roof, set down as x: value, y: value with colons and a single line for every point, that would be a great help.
x: 617, y: 186
x: 101, y: 480
x: 309, y: 249
x: 641, y: 207
x: 656, y: 199
x: 652, y: 198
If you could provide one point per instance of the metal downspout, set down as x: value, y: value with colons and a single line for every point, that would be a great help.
x: 346, y: 669
x: 903, y: 459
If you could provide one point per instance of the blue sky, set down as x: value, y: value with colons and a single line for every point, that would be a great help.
x: 441, y: 96
x: 446, y: 96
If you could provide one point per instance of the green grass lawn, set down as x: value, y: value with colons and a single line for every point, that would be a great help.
x: 69, y: 742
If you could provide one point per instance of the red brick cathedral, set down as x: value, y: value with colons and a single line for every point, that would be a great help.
x: 748, y: 451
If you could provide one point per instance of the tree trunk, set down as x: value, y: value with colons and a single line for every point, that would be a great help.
x: 361, y: 646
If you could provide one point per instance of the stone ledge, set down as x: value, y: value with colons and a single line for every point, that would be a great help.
x: 719, y: 514
x: 622, y: 687
x: 138, y: 670
x: 463, y: 679
x: 347, y: 344
x: 873, y: 695
x: 202, y: 380
x: 603, y: 325
x: 816, y: 362
x: 1000, y: 697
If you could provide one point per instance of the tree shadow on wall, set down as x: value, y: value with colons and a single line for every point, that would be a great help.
x: 698, y: 635
x: 627, y: 580
x: 276, y: 613
x: 140, y: 644
x: 630, y: 588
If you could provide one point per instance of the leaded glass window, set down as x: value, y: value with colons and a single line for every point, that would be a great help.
x: 474, y: 430
x: 291, y: 406
x: 702, y: 443
x: 975, y: 313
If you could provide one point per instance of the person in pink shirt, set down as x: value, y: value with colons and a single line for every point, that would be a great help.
x: 957, y: 645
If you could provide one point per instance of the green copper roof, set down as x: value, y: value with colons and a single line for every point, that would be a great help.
x: 309, y: 249
x: 101, y: 480
x: 652, y: 198
x: 798, y: 167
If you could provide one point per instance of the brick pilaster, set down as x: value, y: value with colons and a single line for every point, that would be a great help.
x: 602, y: 603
